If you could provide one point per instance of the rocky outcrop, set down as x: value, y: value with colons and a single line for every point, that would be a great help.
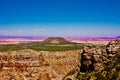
x: 93, y: 59
x: 112, y: 48
x: 98, y: 63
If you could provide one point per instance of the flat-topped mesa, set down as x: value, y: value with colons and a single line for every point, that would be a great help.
x: 56, y: 40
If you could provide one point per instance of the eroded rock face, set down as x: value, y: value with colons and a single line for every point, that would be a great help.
x: 112, y: 48
x: 93, y: 59
x: 98, y: 63
x: 37, y: 65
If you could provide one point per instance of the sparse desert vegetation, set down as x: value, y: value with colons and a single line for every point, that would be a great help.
x: 47, y: 45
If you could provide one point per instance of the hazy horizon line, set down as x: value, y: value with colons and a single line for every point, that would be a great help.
x: 52, y: 36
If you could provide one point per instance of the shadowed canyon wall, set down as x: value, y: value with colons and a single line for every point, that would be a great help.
x: 98, y: 63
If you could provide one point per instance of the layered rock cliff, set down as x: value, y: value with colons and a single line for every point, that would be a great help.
x: 37, y: 65
x: 98, y: 63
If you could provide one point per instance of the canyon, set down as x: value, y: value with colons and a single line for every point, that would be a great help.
x: 77, y: 64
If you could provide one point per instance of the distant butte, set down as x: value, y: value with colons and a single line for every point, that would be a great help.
x: 56, y: 40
